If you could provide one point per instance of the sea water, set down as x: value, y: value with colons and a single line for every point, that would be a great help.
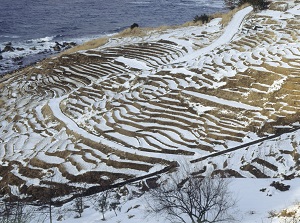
x: 35, y: 25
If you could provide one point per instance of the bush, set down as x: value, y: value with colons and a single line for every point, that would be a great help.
x: 203, y: 18
x: 280, y: 186
x: 256, y: 4
x: 231, y: 4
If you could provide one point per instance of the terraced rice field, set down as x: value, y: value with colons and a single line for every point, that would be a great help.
x: 135, y: 105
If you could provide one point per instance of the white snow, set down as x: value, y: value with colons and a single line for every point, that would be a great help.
x: 222, y: 101
x: 134, y: 63
x: 131, y: 105
x: 228, y: 34
x: 252, y: 205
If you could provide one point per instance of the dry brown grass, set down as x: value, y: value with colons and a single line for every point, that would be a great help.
x: 270, y: 22
x: 61, y: 154
x: 279, y: 6
x: 226, y: 17
x: 46, y: 111
x: 40, y: 163
x: 286, y: 213
x: 292, y: 22
x: 132, y: 32
x: 141, y: 32
x: 276, y: 69
x: 92, y: 44
x: 192, y: 23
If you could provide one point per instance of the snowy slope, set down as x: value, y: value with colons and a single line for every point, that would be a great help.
x: 253, y: 205
x: 138, y: 104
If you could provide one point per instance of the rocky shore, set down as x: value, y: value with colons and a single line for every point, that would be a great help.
x: 14, y: 57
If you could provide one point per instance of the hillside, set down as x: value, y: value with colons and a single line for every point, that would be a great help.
x: 137, y: 105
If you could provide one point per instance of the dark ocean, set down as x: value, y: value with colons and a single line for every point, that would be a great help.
x: 33, y: 26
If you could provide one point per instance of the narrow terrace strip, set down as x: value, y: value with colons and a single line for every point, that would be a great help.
x: 221, y: 101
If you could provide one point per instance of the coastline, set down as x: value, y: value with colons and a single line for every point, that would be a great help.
x: 36, y: 53
x: 20, y: 55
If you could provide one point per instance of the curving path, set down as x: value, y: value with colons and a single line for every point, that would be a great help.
x: 230, y: 31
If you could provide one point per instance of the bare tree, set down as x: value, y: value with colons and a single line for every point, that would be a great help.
x: 195, y: 200
x: 79, y: 200
x: 103, y: 202
x: 49, y: 195
x: 79, y: 205
x: 115, y: 202
x: 15, y: 212
x: 6, y: 210
x: 108, y: 200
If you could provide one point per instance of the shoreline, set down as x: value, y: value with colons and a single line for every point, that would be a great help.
x: 91, y: 43
x: 16, y: 55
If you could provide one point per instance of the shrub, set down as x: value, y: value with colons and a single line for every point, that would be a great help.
x: 203, y: 18
x: 256, y: 4
x: 280, y: 186
x: 288, y: 214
